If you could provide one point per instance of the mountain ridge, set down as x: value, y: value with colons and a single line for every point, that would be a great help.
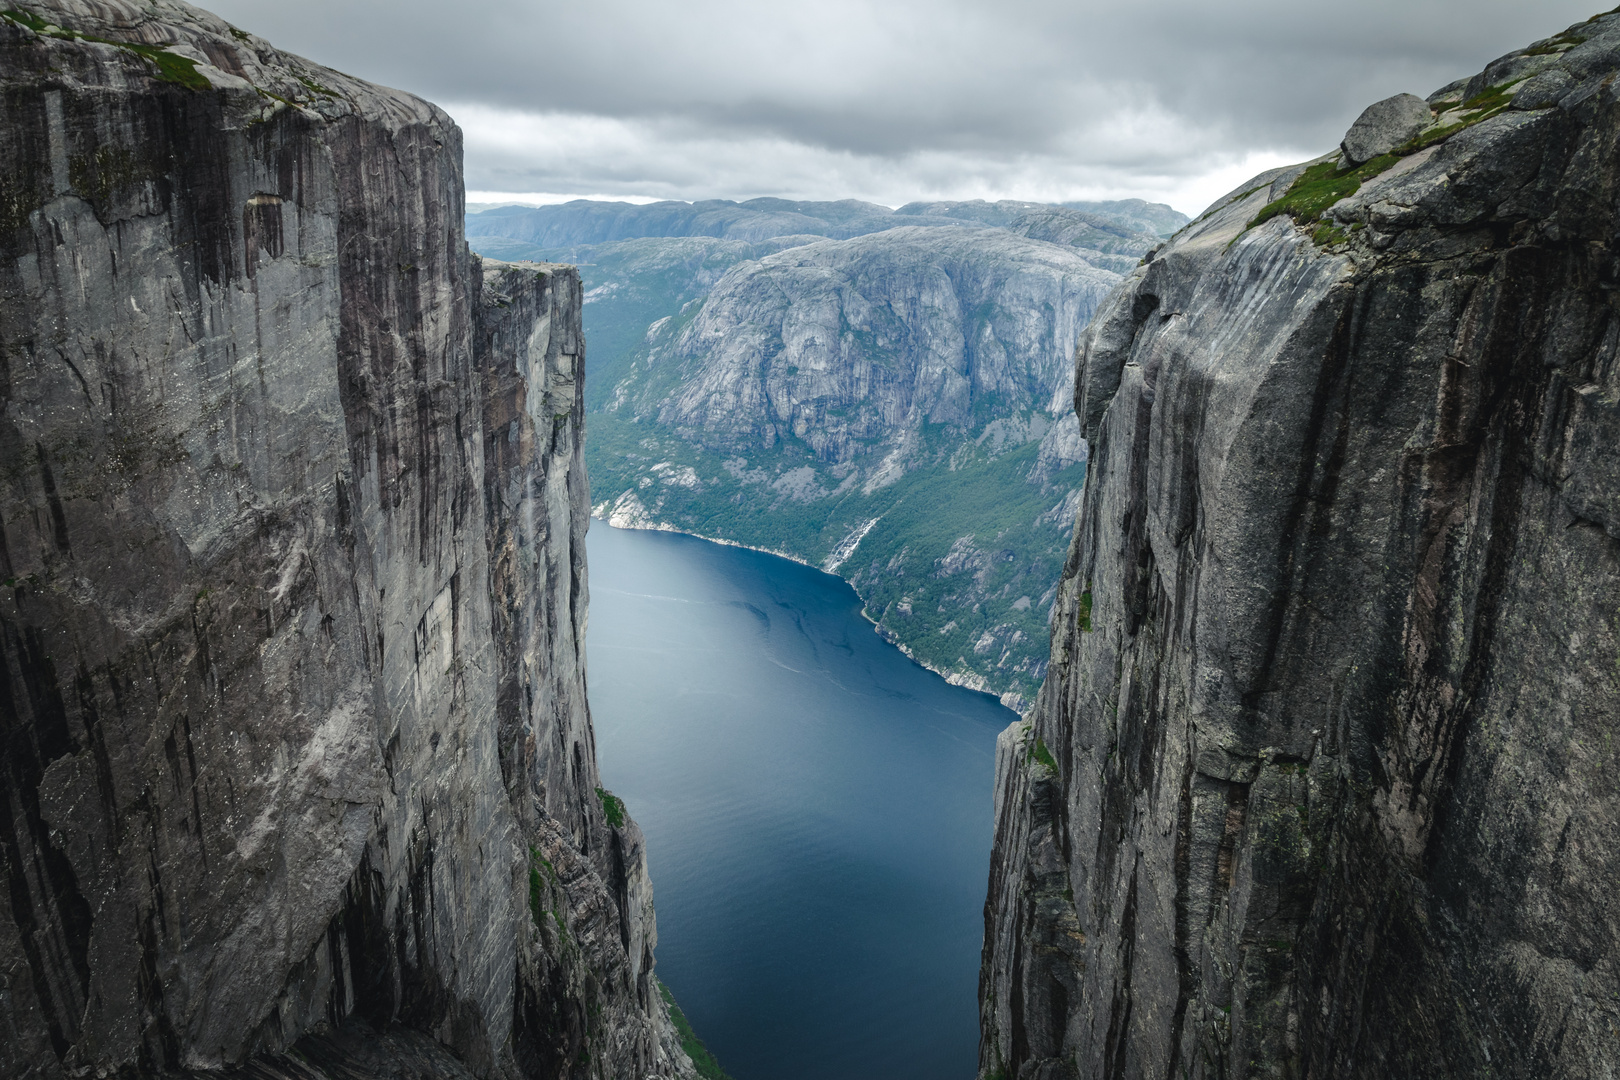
x: 586, y: 221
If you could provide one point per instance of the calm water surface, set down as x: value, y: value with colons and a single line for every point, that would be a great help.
x: 818, y: 810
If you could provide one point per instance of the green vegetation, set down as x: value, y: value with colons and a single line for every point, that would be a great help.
x: 707, y: 1066
x: 538, y: 883
x: 1324, y: 184
x: 1318, y: 188
x: 960, y: 502
x: 1560, y: 43
x: 1327, y: 234
x: 1085, y: 612
x: 1491, y: 100
x: 1039, y: 752
x: 171, y: 67
x: 314, y: 87
x: 612, y: 808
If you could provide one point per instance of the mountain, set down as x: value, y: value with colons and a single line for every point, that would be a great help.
x: 1322, y: 779
x: 890, y: 406
x: 1112, y: 228
x: 298, y: 770
x: 880, y: 407
x: 1137, y: 214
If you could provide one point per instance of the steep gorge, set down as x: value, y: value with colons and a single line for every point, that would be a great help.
x: 1322, y: 781
x: 298, y: 764
x: 888, y: 404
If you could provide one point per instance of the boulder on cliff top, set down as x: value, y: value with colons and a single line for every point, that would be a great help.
x: 1385, y: 125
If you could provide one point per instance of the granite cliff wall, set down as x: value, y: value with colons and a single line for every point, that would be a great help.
x: 1323, y: 780
x: 297, y: 765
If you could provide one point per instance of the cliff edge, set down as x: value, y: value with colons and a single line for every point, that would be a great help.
x: 1323, y: 781
x: 298, y: 766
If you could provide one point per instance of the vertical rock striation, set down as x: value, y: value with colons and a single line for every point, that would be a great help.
x: 1323, y: 778
x: 292, y: 509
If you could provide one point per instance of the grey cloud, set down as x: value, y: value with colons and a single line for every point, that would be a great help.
x: 1069, y: 88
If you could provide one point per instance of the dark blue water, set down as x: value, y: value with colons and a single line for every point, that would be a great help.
x: 818, y: 810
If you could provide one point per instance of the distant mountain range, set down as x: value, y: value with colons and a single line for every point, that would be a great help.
x: 882, y: 393
x: 1098, y: 226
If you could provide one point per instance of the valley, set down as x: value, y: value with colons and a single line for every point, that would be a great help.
x: 887, y: 397
x: 1291, y: 533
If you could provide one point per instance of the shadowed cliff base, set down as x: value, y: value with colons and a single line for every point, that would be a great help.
x: 1331, y: 782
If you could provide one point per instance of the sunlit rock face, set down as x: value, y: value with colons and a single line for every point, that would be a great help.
x: 297, y: 753
x: 1321, y: 782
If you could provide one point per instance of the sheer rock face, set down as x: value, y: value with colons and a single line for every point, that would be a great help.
x: 292, y: 511
x: 1323, y: 779
x: 849, y: 346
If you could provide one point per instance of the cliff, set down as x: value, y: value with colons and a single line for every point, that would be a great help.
x: 298, y: 766
x: 1322, y: 779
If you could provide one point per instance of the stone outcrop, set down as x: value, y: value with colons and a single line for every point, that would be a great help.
x: 1322, y: 779
x: 297, y: 764
x: 1384, y: 125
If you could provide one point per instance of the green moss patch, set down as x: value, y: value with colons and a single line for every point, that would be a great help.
x: 1318, y: 188
x: 1327, y: 234
x: 612, y: 807
x: 1085, y: 612
x: 541, y: 874
x: 707, y: 1066
x: 314, y: 87
x: 171, y: 67
x: 1039, y: 752
x: 1561, y: 42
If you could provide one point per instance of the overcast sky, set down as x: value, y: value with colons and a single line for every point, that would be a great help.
x: 1171, y: 100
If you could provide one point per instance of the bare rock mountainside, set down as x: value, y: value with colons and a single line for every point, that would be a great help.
x: 880, y: 393
x: 890, y: 408
x: 297, y: 765
x: 1323, y: 781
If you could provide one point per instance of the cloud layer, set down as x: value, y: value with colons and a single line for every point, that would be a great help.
x: 1175, y: 100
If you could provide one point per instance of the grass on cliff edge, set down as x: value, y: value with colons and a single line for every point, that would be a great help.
x: 1039, y: 752
x: 707, y: 1066
x: 1320, y: 186
x: 612, y: 807
x: 171, y: 67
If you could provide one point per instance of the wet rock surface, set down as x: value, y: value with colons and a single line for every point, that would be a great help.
x: 292, y: 588
x: 1322, y: 780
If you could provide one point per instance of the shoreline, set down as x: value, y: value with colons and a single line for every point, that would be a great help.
x: 966, y: 682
